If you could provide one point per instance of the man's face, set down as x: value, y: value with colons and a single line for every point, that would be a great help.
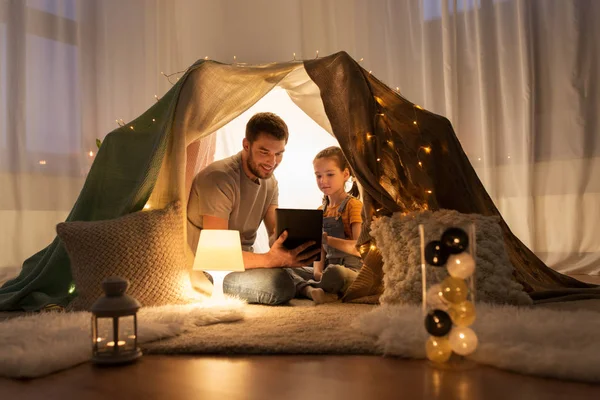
x: 264, y: 155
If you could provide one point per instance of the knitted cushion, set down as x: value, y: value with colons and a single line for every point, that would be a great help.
x: 145, y: 247
x: 399, y: 242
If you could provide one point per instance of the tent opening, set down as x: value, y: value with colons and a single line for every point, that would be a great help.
x: 297, y: 186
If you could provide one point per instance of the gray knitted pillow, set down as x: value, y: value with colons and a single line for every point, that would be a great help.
x: 147, y: 248
x: 398, y: 240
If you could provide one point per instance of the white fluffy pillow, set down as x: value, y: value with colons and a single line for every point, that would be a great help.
x: 398, y: 240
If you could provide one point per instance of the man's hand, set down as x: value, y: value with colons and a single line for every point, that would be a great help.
x: 282, y: 257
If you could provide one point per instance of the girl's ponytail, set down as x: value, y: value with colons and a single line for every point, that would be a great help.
x: 354, y: 192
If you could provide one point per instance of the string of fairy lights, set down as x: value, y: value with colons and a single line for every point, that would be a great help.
x: 426, y: 149
x: 422, y: 151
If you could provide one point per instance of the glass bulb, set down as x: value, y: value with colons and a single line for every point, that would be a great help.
x: 454, y: 290
x: 438, y: 349
x: 463, y: 341
x: 461, y: 265
x: 435, y: 298
x: 462, y: 314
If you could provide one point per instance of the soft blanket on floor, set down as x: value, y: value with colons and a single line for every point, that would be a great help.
x: 557, y: 340
x: 39, y: 344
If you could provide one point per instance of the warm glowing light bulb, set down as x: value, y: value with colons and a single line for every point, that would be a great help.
x: 91, y: 153
x: 463, y: 341
x: 373, y: 247
x: 153, y: 119
x: 461, y: 265
x: 435, y: 298
x: 438, y: 349
x: 397, y: 89
x: 429, y: 191
x: 454, y: 290
x: 131, y: 127
x: 317, y: 54
x: 147, y: 206
x: 361, y: 59
x: 427, y: 149
x: 234, y: 58
x: 369, y: 136
x: 370, y: 72
x: 462, y: 314
x: 42, y: 162
x: 414, y: 122
x: 508, y: 156
x: 379, y: 159
x: 156, y: 97
x: 418, y: 106
x: 420, y: 164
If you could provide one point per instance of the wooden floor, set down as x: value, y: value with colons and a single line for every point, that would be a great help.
x: 289, y: 377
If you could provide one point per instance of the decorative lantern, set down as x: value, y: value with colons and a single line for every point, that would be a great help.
x: 114, y: 324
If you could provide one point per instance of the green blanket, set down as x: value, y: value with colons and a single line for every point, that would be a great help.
x: 119, y: 182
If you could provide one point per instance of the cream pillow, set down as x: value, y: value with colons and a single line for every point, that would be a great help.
x: 145, y: 247
x: 398, y: 240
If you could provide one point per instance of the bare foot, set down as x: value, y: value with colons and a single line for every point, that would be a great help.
x: 319, y: 296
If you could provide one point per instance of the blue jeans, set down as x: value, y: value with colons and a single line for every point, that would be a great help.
x: 270, y: 286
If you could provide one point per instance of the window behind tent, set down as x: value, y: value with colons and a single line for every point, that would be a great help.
x: 3, y: 81
x: 432, y: 9
x: 44, y: 104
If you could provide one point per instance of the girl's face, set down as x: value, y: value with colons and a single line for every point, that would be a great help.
x: 330, y: 178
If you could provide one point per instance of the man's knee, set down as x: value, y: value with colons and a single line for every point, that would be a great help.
x: 280, y: 284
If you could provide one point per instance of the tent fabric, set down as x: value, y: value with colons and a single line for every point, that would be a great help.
x: 404, y: 158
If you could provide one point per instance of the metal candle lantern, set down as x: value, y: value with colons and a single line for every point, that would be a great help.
x: 114, y: 324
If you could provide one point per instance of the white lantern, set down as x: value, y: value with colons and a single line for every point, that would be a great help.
x: 114, y: 324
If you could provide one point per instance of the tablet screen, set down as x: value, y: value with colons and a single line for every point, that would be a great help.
x: 302, y: 226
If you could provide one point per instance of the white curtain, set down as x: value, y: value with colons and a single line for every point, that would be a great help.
x: 518, y: 79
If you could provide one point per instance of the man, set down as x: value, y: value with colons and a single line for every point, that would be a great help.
x: 240, y: 192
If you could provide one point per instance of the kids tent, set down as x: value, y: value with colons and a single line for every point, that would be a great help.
x: 383, y: 135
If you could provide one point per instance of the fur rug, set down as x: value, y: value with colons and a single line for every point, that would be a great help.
x: 556, y: 341
x: 39, y: 344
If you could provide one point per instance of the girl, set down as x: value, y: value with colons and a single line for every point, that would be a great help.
x: 340, y: 261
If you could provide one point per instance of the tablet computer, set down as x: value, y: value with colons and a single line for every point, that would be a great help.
x: 302, y: 226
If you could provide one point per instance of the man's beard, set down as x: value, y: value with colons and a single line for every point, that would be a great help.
x: 255, y: 169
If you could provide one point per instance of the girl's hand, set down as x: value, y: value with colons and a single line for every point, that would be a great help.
x: 318, y: 275
x: 324, y: 239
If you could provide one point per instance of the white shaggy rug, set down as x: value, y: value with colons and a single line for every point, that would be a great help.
x: 558, y: 340
x: 39, y: 344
